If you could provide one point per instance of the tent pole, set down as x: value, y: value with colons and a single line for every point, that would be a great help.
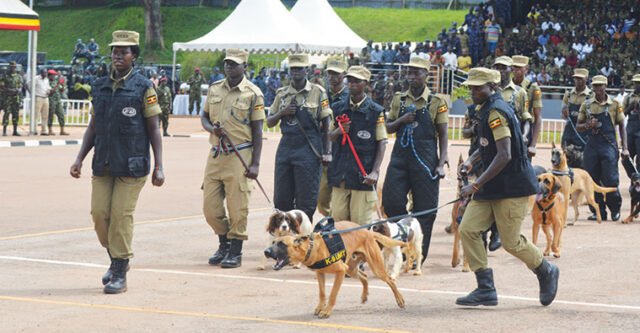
x: 173, y: 74
x: 29, y: 70
x: 32, y: 74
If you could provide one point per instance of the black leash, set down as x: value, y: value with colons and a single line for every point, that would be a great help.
x: 390, y: 219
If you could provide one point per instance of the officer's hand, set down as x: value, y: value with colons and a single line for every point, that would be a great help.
x: 371, y: 178
x: 624, y: 154
x: 290, y: 110
x: 408, y: 117
x: 531, y: 151
x: 346, y: 126
x: 592, y: 123
x: 525, y: 139
x: 464, y: 169
x: 565, y: 113
x: 157, y: 179
x: 75, y: 169
x: 252, y: 173
x: 218, y: 131
x: 440, y: 172
x: 467, y: 191
x: 326, y: 159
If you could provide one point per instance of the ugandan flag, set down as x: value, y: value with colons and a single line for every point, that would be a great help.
x: 15, y: 15
x: 495, y: 123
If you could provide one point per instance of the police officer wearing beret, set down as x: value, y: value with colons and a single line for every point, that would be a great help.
x: 353, y: 192
x: 337, y: 93
x: 599, y: 117
x: 420, y: 119
x: 124, y: 122
x: 303, y: 112
x: 571, y: 102
x: 631, y: 106
x: 234, y: 111
x: 499, y: 194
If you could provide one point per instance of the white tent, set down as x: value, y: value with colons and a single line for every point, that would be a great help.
x: 326, y: 26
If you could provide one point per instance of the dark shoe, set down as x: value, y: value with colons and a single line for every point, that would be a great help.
x: 4, y: 131
x: 485, y: 294
x: 165, y: 134
x: 109, y: 273
x: 222, y: 252
x: 615, y: 216
x: 494, y: 241
x: 15, y: 131
x: 548, y: 275
x: 447, y: 229
x: 234, y: 257
x: 118, y: 283
x: 594, y: 217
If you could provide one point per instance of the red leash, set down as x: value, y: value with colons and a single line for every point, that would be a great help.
x: 341, y: 119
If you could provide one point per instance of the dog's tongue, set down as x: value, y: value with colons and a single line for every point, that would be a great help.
x: 637, y: 188
x: 538, y: 196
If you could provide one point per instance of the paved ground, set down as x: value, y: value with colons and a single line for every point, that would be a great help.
x: 51, y: 264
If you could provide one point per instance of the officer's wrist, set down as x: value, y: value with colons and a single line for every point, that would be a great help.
x: 158, y: 168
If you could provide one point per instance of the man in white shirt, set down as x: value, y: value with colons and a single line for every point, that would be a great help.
x: 559, y: 60
x: 42, y: 100
x: 376, y: 55
x: 450, y: 59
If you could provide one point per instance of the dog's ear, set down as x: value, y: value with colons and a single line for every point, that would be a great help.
x: 294, y: 220
x: 299, y: 240
x: 553, y: 145
x: 556, y: 185
x: 271, y: 226
x: 460, y: 160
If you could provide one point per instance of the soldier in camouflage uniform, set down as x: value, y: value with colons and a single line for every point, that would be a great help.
x: 164, y: 99
x: 195, y: 81
x: 55, y: 102
x: 11, y: 87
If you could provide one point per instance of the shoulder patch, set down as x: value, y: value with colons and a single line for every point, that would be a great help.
x: 325, y: 103
x: 153, y: 99
x: 380, y: 119
x: 537, y: 93
x: 495, y: 123
x: 443, y: 108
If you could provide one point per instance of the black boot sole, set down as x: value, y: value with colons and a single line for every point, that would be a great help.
x: 114, y: 291
x: 485, y: 303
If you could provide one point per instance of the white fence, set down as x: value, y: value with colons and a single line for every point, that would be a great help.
x: 551, y: 130
x: 77, y: 112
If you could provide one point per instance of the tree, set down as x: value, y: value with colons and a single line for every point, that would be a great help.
x: 153, y: 24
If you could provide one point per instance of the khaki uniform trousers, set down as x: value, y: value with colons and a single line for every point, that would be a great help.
x: 324, y: 194
x: 508, y: 215
x: 42, y: 112
x: 113, y: 201
x: 224, y: 179
x: 352, y: 205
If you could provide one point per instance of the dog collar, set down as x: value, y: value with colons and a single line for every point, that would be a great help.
x: 568, y: 172
x: 306, y: 257
x: 337, y: 252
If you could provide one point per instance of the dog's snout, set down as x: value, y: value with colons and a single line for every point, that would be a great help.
x: 269, y: 253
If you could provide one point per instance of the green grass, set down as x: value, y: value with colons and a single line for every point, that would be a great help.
x: 61, y: 27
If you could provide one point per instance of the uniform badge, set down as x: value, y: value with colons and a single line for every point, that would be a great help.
x: 292, y: 121
x: 364, y: 135
x: 129, y: 112
x: 484, y: 142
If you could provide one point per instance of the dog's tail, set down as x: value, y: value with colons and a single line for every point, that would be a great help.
x: 386, y: 241
x: 603, y: 190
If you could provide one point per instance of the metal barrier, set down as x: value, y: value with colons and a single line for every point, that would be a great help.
x: 77, y: 112
x: 551, y: 131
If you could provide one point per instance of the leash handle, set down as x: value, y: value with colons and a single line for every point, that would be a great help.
x: 344, y: 118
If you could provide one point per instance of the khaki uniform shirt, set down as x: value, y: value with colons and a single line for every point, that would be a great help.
x: 312, y: 98
x: 517, y: 97
x: 615, y: 110
x: 151, y: 106
x: 438, y: 110
x: 235, y: 108
x: 534, y: 95
x: 574, y: 97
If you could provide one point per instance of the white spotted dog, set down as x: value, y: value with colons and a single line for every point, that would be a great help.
x: 295, y: 223
x: 406, y: 230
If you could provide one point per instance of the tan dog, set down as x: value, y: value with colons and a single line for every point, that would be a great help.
x: 583, y: 185
x: 359, y: 245
x: 456, y: 217
x: 549, y: 211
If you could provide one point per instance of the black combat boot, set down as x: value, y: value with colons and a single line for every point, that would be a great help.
x: 494, y: 241
x: 107, y: 275
x: 548, y: 275
x: 485, y: 294
x: 234, y: 257
x: 118, y: 283
x: 15, y: 131
x: 222, y: 252
x: 4, y: 130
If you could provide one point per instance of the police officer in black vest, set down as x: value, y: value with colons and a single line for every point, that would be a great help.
x: 573, y: 141
x: 599, y: 116
x: 500, y: 193
x: 124, y: 123
x: 420, y: 119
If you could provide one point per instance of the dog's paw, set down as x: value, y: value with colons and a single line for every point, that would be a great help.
x: 324, y: 314
x: 319, y: 309
x: 417, y: 273
x: 546, y: 253
x: 466, y: 269
x: 364, y: 298
x: 261, y: 268
x: 297, y: 266
x: 556, y: 255
x: 400, y: 302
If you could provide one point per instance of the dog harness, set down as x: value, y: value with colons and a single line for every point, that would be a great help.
x: 545, y: 210
x: 564, y: 173
x: 334, y: 243
x: 403, y: 232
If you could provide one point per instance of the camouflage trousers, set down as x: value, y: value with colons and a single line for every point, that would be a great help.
x: 11, y: 107
x: 194, y: 98
x: 55, y: 107
x: 164, y: 120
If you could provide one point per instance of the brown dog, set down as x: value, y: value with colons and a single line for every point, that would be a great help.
x: 582, y: 185
x: 359, y: 245
x: 549, y: 211
x: 456, y: 217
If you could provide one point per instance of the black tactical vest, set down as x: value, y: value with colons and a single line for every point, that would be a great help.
x: 517, y: 179
x: 363, y: 135
x: 121, y: 143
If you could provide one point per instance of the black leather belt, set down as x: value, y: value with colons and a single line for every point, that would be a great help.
x: 226, y: 149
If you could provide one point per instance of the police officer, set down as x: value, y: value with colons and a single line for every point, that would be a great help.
x: 124, y: 121
x: 11, y: 87
x: 164, y: 99
x: 337, y: 93
x: 420, y: 119
x: 599, y: 116
x: 499, y: 194
x: 195, y: 82
x: 534, y: 98
x: 302, y: 109
x: 55, y: 102
x: 234, y: 112
x: 631, y: 106
x: 353, y: 193
x: 513, y: 94
x: 572, y: 140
